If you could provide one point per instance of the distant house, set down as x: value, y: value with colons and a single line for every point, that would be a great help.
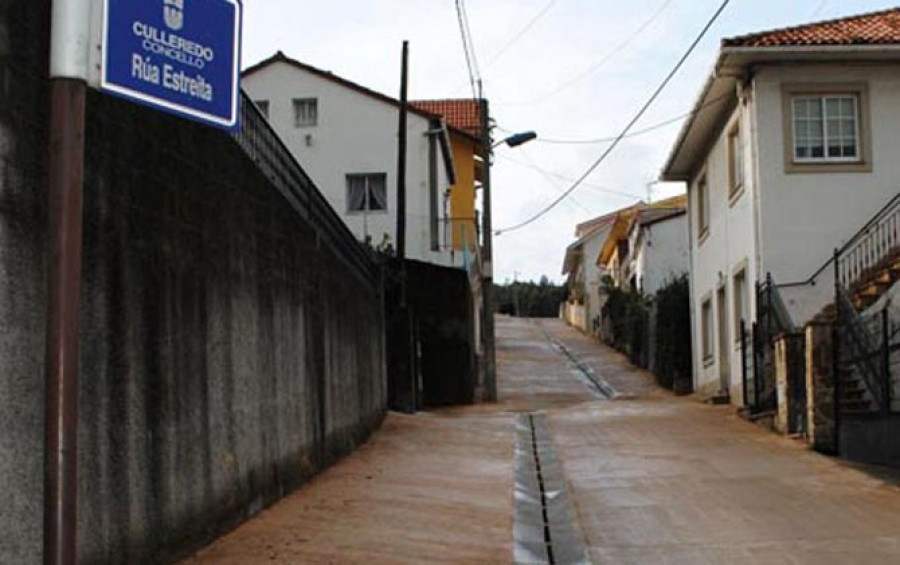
x: 658, y: 246
x: 584, y: 269
x: 792, y: 146
x: 345, y: 136
x: 613, y: 257
x: 463, y: 118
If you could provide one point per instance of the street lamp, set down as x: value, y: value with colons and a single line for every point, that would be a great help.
x: 487, y: 280
x: 516, y: 139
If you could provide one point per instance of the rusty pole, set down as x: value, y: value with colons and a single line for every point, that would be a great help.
x: 65, y: 176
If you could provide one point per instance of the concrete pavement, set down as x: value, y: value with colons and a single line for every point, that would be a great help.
x: 651, y: 478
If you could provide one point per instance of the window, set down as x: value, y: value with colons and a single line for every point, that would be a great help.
x: 306, y: 112
x: 367, y: 193
x: 263, y: 106
x: 741, y: 303
x: 735, y: 160
x: 826, y: 128
x: 702, y: 207
x: 706, y: 323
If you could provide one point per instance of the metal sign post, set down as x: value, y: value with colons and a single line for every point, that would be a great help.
x: 181, y: 57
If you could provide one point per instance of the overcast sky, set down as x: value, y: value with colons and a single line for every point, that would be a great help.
x: 568, y: 69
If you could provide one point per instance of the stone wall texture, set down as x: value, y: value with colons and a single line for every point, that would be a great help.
x: 228, y: 350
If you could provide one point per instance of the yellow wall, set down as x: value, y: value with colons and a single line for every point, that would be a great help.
x: 462, y: 194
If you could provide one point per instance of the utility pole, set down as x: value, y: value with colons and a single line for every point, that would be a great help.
x: 408, y: 371
x: 401, y: 156
x: 487, y: 280
x: 70, y: 21
x: 516, y: 292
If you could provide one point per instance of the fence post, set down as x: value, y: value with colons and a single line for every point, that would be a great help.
x: 744, y: 363
x: 835, y: 352
x: 769, y: 312
x: 886, y: 363
x: 757, y: 347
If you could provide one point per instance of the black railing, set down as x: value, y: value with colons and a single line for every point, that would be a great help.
x: 874, y: 243
x: 260, y: 143
x: 865, y: 248
x: 772, y: 320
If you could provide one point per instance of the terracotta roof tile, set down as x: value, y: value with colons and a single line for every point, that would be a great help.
x: 877, y: 28
x: 461, y: 114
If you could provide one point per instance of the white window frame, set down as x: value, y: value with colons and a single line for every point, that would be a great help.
x: 741, y: 296
x: 305, y: 120
x: 735, y: 159
x: 702, y: 206
x: 823, y: 98
x: 707, y: 336
x: 367, y: 208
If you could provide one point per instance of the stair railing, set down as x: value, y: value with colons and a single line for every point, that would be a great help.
x: 876, y: 241
x: 865, y: 249
x: 858, y: 346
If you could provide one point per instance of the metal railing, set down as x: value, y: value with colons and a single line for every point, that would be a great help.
x: 876, y: 241
x: 261, y: 143
x: 861, y: 352
x: 758, y: 347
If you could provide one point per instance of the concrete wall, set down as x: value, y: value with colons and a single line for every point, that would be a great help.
x: 728, y: 246
x: 431, y: 336
x: 806, y: 215
x: 23, y: 103
x: 357, y: 134
x: 574, y: 315
x: 227, y: 352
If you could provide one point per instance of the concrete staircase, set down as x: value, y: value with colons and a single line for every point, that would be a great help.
x: 857, y: 399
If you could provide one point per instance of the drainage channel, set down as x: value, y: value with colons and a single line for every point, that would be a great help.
x: 602, y: 387
x: 546, y: 528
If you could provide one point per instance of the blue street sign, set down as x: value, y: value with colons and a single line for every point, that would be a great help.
x: 180, y: 56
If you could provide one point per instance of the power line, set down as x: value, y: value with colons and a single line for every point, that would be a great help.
x: 594, y: 67
x: 465, y: 17
x: 460, y: 16
x: 549, y: 178
x: 564, y: 178
x: 818, y: 9
x: 628, y: 127
x: 521, y: 33
x: 646, y: 130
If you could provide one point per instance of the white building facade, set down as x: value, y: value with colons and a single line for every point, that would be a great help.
x: 658, y: 244
x: 586, y: 298
x: 791, y: 149
x: 345, y: 137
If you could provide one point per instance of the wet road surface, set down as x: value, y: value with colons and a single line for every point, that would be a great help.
x: 643, y: 478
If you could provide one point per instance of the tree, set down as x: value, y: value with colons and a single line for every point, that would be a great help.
x: 530, y: 299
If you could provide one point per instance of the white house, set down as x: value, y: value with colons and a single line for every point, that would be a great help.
x: 584, y: 275
x: 345, y: 137
x: 585, y: 269
x: 658, y: 246
x: 794, y: 143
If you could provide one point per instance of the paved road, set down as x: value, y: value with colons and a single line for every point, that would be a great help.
x: 649, y: 478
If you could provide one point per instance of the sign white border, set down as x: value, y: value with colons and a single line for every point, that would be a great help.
x: 230, y: 123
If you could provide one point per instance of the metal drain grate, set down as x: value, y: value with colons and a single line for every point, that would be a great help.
x: 546, y: 529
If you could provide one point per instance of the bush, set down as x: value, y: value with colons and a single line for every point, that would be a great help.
x: 627, y: 315
x: 673, y: 336
x: 630, y: 329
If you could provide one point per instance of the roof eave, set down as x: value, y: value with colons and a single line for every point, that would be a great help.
x: 732, y: 62
x: 671, y: 172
